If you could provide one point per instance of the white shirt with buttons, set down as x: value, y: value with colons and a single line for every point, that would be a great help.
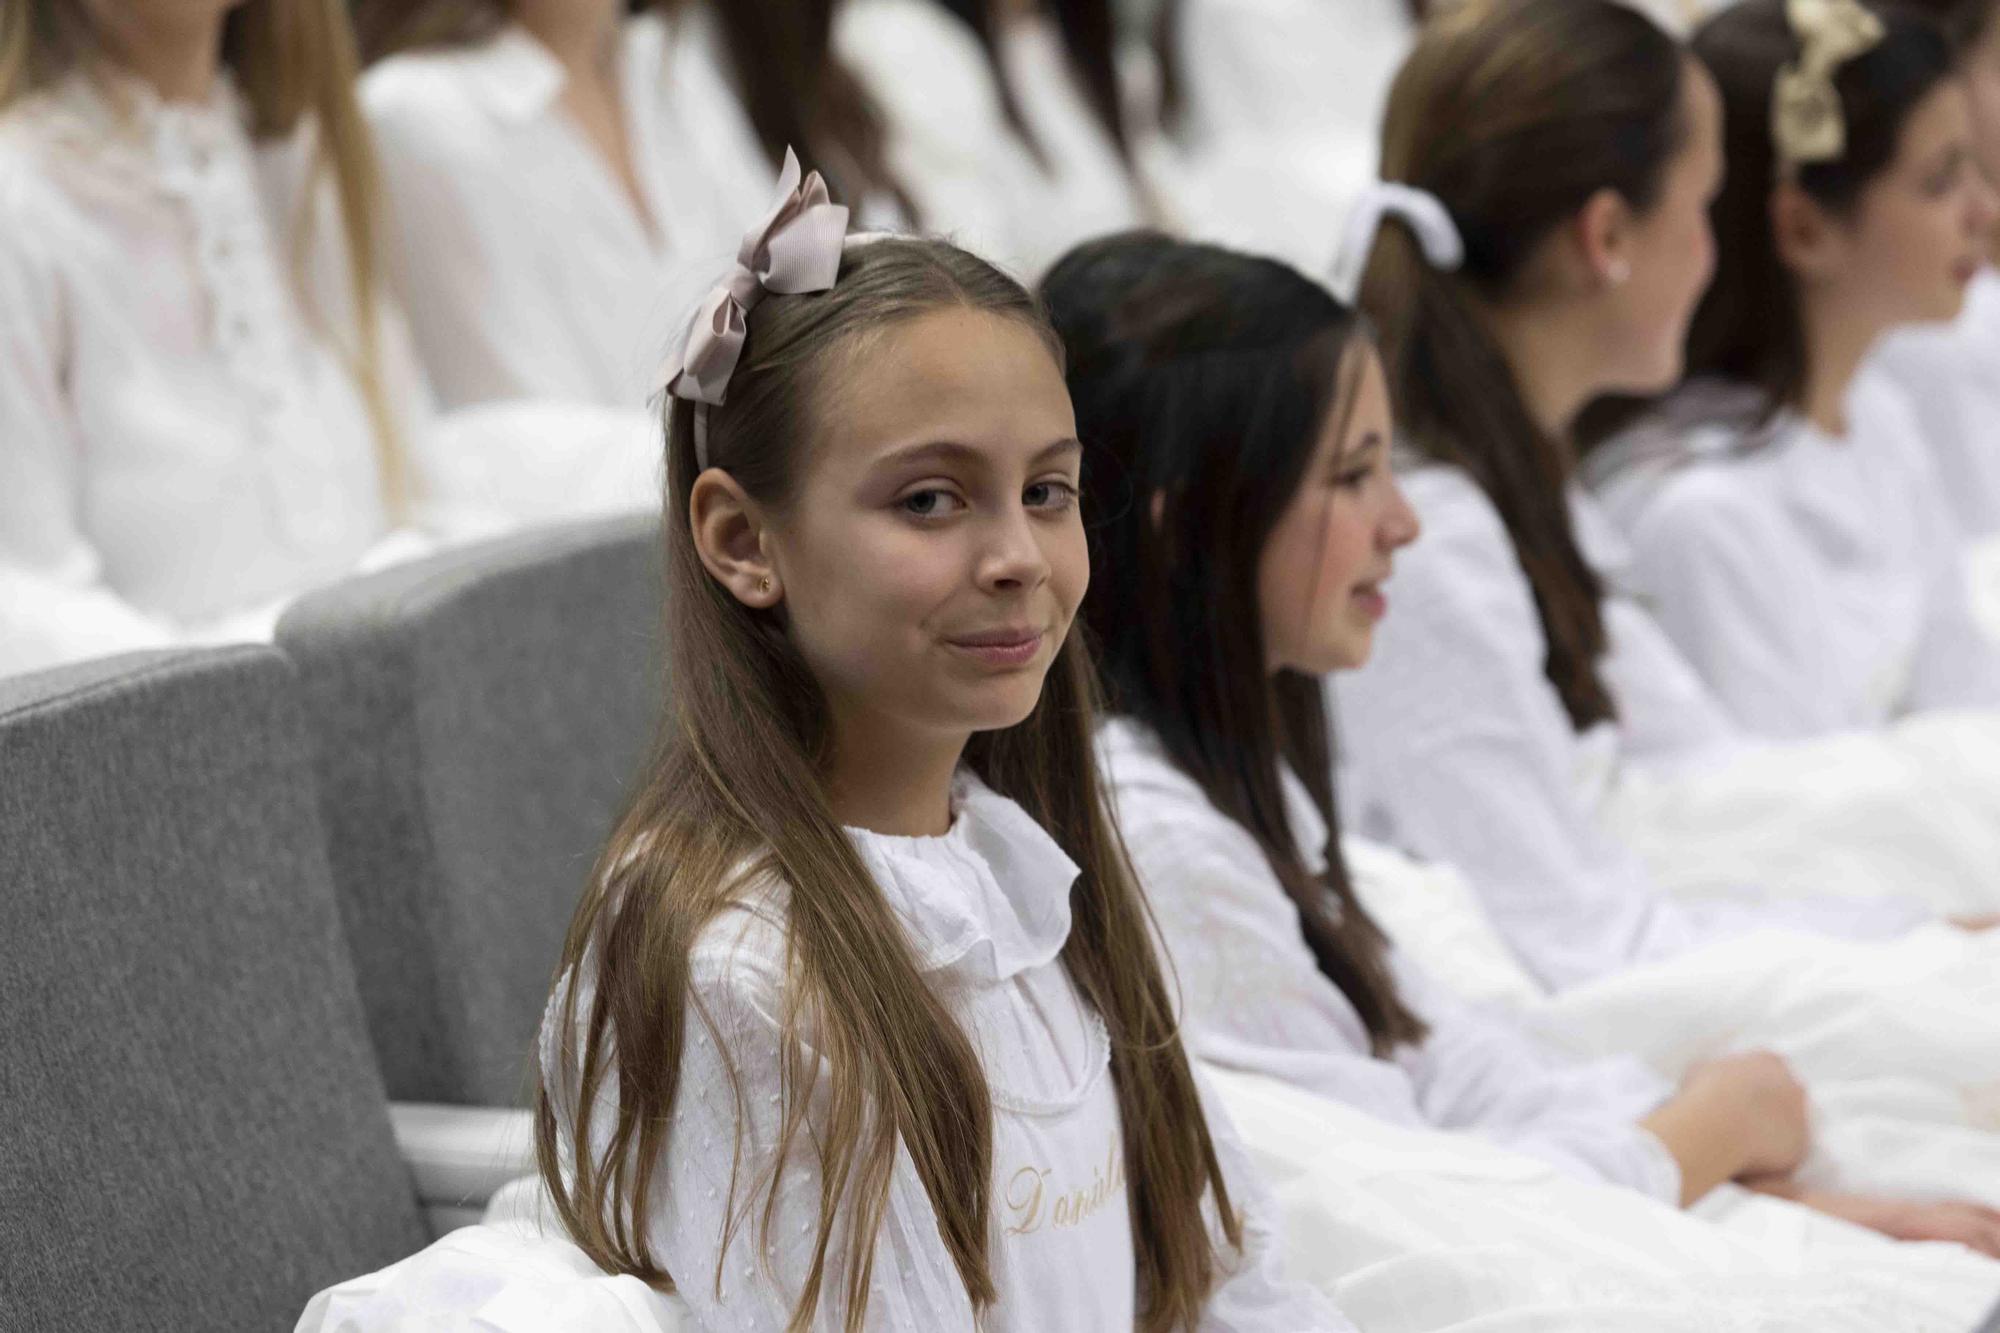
x: 182, y: 447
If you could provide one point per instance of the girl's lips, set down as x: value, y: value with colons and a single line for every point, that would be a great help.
x: 1001, y: 648
x: 1372, y: 601
x: 1965, y: 270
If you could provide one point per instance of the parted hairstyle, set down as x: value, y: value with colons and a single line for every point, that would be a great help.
x: 735, y: 793
x: 1204, y: 378
x: 795, y: 90
x: 1514, y: 113
x: 293, y: 62
x: 1750, y: 326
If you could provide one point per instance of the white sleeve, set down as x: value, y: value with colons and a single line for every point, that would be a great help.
x: 1256, y: 1002
x: 54, y: 603
x: 1252, y: 997
x: 1456, y: 737
x: 751, y: 1283
x: 1254, y: 1294
x: 1481, y: 1073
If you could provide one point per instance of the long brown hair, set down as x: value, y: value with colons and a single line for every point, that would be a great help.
x: 293, y: 60
x: 1205, y: 377
x: 1750, y: 326
x: 1513, y: 113
x: 736, y: 780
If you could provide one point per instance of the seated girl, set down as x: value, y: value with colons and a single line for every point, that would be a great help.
x: 200, y: 416
x: 860, y: 1023
x: 1786, y: 519
x: 1247, y: 412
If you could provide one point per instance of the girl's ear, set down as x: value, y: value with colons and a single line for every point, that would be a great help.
x: 1603, y: 235
x: 729, y: 532
x: 1807, y: 240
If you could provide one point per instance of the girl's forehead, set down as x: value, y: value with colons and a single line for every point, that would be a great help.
x: 971, y: 377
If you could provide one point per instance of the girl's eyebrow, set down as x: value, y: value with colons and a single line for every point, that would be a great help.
x: 950, y: 451
x: 1372, y: 440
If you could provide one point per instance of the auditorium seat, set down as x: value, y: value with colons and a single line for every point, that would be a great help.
x: 196, y: 1135
x: 477, y: 719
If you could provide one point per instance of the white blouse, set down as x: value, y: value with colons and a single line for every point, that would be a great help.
x: 1256, y: 1001
x: 182, y: 447
x: 1817, y: 584
x: 526, y: 269
x: 1456, y: 748
x: 969, y: 172
x: 986, y: 911
x: 1951, y: 376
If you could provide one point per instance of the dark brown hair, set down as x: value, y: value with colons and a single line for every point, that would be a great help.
x: 1749, y: 326
x: 1090, y: 38
x: 795, y: 90
x: 738, y: 781
x: 1514, y: 113
x: 1205, y: 378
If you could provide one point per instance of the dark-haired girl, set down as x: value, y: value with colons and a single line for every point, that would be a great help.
x: 1787, y: 524
x: 1247, y: 414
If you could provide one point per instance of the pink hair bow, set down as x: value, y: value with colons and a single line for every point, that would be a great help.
x: 795, y: 248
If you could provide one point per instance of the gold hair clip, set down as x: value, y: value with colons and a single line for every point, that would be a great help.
x: 1808, y: 123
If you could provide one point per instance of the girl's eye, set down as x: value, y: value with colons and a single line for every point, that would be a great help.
x: 1053, y: 495
x: 1355, y: 480
x: 932, y: 503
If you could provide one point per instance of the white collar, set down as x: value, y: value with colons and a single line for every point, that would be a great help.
x: 987, y: 899
x: 108, y: 112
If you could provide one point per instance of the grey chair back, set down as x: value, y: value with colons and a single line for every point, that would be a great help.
x: 478, y: 719
x: 193, y: 1133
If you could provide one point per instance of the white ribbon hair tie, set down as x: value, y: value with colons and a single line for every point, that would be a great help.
x: 1420, y: 210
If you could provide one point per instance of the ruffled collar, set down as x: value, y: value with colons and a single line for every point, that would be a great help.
x: 108, y: 113
x: 988, y: 899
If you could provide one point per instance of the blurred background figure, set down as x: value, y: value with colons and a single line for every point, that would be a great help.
x: 201, y: 408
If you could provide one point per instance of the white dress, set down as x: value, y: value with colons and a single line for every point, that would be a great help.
x: 986, y: 911
x: 1256, y: 1001
x: 182, y: 448
x: 1817, y: 584
x: 1455, y: 747
x: 526, y: 269
x: 970, y: 174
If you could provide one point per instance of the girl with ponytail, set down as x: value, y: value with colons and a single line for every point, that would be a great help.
x: 1554, y: 161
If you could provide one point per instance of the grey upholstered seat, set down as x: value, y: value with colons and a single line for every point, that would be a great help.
x: 195, y: 1134
x: 478, y: 718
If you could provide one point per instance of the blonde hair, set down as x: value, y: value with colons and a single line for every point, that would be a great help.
x: 738, y: 778
x: 292, y: 60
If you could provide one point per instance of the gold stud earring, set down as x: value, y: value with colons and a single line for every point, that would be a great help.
x: 764, y: 584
